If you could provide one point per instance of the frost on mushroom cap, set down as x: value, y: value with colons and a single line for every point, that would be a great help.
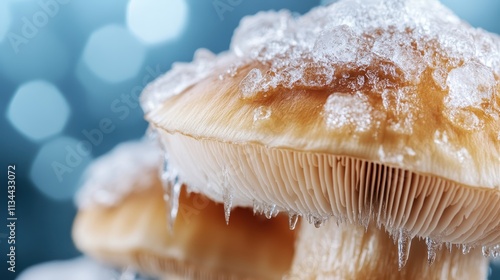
x: 360, y: 109
x: 407, y: 82
x: 129, y: 167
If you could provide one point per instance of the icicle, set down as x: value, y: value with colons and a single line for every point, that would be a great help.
x: 379, y: 216
x: 318, y: 221
x: 466, y: 249
x: 257, y: 208
x: 171, y: 192
x: 292, y: 220
x: 227, y: 196
x: 275, y: 212
x: 432, y: 247
x: 174, y: 201
x: 404, y: 244
x: 270, y: 211
x: 228, y: 204
x: 338, y: 221
x: 486, y: 251
x: 364, y: 220
x: 309, y: 218
x: 495, y: 251
x: 449, y: 246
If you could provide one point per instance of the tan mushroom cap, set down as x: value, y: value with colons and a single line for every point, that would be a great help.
x: 214, y: 110
x: 134, y: 233
x: 122, y: 221
x: 405, y: 131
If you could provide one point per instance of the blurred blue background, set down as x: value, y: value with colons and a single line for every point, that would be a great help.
x: 70, y: 74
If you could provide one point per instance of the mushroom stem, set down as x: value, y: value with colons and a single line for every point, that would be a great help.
x: 352, y: 252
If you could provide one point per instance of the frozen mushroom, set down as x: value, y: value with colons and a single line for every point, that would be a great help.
x: 381, y: 116
x: 123, y: 222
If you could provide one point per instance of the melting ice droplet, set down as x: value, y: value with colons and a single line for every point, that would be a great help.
x: 261, y: 113
x: 292, y: 220
x: 318, y: 222
x: 270, y: 211
x: 249, y: 86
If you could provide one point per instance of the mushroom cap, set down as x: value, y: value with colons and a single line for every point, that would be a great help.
x: 134, y: 233
x: 122, y: 221
x: 361, y: 110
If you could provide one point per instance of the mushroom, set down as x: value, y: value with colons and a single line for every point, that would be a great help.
x: 380, y: 116
x: 122, y: 222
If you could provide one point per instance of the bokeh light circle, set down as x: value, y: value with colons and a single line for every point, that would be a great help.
x: 156, y: 21
x: 113, y: 54
x: 58, y: 166
x: 38, y: 110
